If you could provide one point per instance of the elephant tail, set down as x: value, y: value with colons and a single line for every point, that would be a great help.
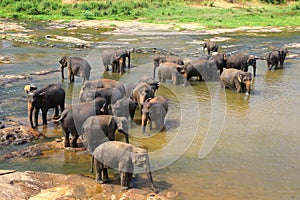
x: 63, y: 115
x: 92, y: 164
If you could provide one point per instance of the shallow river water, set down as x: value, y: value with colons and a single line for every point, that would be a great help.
x: 255, y: 138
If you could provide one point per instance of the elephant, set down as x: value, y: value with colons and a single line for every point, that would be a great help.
x: 117, y: 59
x: 101, y: 128
x: 168, y: 71
x: 141, y: 92
x: 205, y: 70
x: 242, y: 61
x: 29, y: 88
x: 73, y: 118
x: 122, y: 157
x: 50, y: 96
x: 104, y: 83
x: 210, y: 46
x: 124, y: 107
x: 275, y: 57
x: 157, y: 60
x: 220, y: 61
x: 236, y: 79
x: 154, y: 109
x: 112, y: 95
x: 76, y: 67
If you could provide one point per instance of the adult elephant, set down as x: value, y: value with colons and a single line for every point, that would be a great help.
x: 112, y: 95
x: 122, y: 157
x: 117, y: 59
x: 154, y: 109
x: 157, y: 60
x: 104, y: 83
x: 50, y: 96
x: 242, y: 61
x: 205, y: 70
x: 168, y: 71
x: 236, y: 79
x: 210, y: 46
x: 220, y: 60
x: 124, y: 107
x: 73, y: 118
x: 76, y: 67
x: 102, y: 128
x: 141, y: 92
x: 275, y: 57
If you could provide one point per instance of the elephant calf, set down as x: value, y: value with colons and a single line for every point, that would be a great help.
x: 210, y: 46
x: 275, y: 57
x: 236, y: 79
x: 101, y: 128
x: 50, y: 96
x: 124, y: 107
x: 154, y: 109
x: 157, y: 60
x: 122, y: 157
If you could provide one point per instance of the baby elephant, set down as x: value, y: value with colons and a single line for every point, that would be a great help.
x: 101, y: 128
x: 76, y: 67
x: 122, y: 157
x: 236, y: 79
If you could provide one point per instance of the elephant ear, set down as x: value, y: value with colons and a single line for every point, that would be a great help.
x: 240, y: 76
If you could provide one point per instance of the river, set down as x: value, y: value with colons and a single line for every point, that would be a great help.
x: 255, y: 138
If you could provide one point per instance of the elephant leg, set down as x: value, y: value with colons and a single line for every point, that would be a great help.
x: 99, y: 168
x: 36, y: 116
x: 67, y: 136
x: 74, y: 139
x: 105, y: 173
x: 44, y: 116
x: 56, y: 112
x: 124, y: 180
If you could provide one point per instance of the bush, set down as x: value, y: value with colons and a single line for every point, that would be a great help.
x: 65, y: 11
x: 274, y: 1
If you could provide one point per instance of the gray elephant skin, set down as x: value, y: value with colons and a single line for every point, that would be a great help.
x: 122, y: 157
x: 220, y: 60
x: 102, y: 128
x: 242, y: 61
x: 275, y: 57
x: 124, y: 107
x: 50, y: 96
x: 141, y: 93
x: 210, y: 46
x: 73, y: 118
x: 76, y: 67
x: 169, y: 71
x: 205, y: 70
x: 236, y: 79
x: 116, y: 59
x: 154, y: 109
x: 157, y: 60
x: 103, y: 83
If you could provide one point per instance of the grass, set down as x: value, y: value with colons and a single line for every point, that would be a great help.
x: 156, y: 11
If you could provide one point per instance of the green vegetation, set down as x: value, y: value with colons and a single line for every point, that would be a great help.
x: 158, y: 11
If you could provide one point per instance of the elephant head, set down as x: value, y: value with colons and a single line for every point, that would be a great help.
x: 63, y: 64
x: 122, y: 126
x: 140, y: 158
x: 252, y: 61
x: 245, y: 79
x: 283, y: 52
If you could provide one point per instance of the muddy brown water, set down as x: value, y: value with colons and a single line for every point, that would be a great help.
x: 256, y: 137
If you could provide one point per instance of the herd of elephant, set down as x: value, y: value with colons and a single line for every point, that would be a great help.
x: 107, y: 106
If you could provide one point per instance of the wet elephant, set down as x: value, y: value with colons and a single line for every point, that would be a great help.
x: 157, y: 60
x: 220, y: 61
x: 116, y: 59
x: 124, y: 107
x: 103, y: 83
x: 168, y: 71
x: 242, y: 61
x: 73, y: 118
x: 50, y: 96
x: 154, y: 109
x: 102, y: 128
x: 275, y: 57
x: 205, y: 70
x: 76, y: 67
x: 141, y: 92
x: 236, y: 79
x: 122, y: 157
x: 210, y: 46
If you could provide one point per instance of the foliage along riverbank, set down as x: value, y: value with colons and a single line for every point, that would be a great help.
x: 214, y: 14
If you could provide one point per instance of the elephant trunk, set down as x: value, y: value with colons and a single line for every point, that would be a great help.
x: 149, y: 176
x: 30, y: 110
x: 128, y: 60
x: 248, y: 86
x: 62, y: 72
x: 144, y: 122
x: 254, y: 69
